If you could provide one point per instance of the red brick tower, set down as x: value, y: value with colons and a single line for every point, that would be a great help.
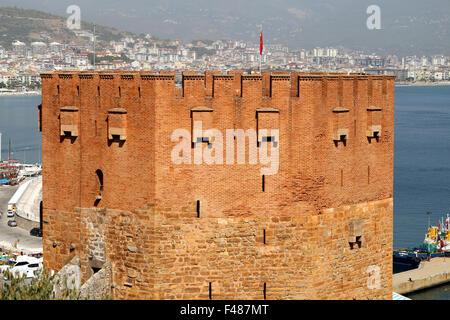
x: 320, y: 228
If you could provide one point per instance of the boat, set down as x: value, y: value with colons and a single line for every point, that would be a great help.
x: 435, y: 244
x: 9, y: 170
x: 408, y: 259
x: 437, y: 238
x: 29, y: 170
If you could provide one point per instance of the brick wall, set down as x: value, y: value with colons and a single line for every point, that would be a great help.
x: 317, y: 172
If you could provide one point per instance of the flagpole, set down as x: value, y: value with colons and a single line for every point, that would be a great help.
x: 260, y: 62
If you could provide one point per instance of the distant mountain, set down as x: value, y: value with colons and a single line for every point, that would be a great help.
x: 407, y: 26
x: 32, y: 25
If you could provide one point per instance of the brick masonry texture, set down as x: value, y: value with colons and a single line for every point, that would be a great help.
x: 141, y: 215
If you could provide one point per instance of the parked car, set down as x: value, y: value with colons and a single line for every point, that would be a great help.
x: 12, y: 223
x: 24, y: 265
x: 10, y: 214
x: 36, y: 232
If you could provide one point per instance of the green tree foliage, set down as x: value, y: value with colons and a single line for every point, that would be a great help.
x: 39, y: 288
x: 33, y: 25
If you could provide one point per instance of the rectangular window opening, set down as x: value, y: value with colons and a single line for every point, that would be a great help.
x: 139, y: 91
x: 265, y: 291
x: 98, y: 90
x: 198, y: 208
x: 78, y: 90
x: 210, y: 291
x: 263, y: 183
x: 40, y: 117
x: 120, y: 92
x: 264, y: 236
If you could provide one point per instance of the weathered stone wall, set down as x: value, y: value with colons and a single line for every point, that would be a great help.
x: 160, y: 254
x: 69, y: 277
x: 98, y: 286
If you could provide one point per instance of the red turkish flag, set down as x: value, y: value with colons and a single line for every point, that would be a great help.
x: 261, y: 46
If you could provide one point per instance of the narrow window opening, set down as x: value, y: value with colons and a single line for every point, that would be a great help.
x: 139, y: 91
x: 264, y: 236
x: 342, y: 177
x: 98, y: 90
x: 58, y: 89
x: 198, y: 208
x: 354, y: 125
x: 100, y: 179
x: 263, y: 183
x: 41, y: 216
x: 210, y: 291
x: 40, y: 117
x: 265, y: 291
x: 78, y: 90
x: 98, y: 197
x: 120, y: 92
x: 95, y: 127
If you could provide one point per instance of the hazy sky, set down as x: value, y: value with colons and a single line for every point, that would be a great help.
x: 407, y: 26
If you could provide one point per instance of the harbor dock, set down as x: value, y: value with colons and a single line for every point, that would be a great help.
x: 428, y: 274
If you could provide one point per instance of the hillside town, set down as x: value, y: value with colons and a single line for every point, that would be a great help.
x: 21, y: 64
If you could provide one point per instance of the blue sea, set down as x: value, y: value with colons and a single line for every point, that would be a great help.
x: 19, y: 124
x: 421, y: 159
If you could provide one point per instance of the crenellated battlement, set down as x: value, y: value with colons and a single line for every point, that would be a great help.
x: 209, y: 82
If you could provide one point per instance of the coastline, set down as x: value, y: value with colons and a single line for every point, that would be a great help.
x: 20, y: 94
x: 423, y: 84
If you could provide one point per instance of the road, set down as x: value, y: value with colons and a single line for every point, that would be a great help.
x: 8, y: 235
